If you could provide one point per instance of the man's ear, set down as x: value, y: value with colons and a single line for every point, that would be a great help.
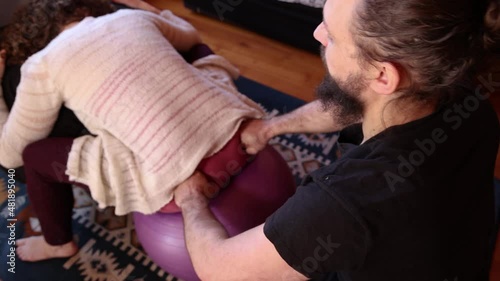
x: 387, y: 78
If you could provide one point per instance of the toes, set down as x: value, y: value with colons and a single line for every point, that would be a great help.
x: 36, y: 249
x: 21, y: 242
x: 23, y: 255
x: 23, y: 248
x: 20, y: 253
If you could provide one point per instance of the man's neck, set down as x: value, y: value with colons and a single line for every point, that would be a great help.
x: 384, y: 115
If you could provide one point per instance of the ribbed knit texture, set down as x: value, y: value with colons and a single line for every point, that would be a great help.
x: 152, y: 116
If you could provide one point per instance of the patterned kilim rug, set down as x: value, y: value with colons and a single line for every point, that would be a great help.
x: 109, y: 246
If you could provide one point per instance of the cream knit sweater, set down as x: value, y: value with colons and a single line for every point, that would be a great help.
x: 153, y: 117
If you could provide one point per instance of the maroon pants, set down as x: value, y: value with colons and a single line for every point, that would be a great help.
x: 51, y: 195
x: 49, y: 188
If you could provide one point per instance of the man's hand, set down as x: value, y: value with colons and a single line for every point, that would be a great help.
x: 256, y: 134
x: 195, y: 192
x: 309, y: 118
x: 138, y: 4
x: 3, y: 56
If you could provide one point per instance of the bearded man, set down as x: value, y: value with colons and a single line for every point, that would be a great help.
x: 413, y: 198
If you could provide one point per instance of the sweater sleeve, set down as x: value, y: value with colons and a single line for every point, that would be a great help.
x: 218, y: 69
x: 180, y: 33
x: 33, y: 115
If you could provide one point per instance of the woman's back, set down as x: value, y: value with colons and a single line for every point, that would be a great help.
x: 155, y: 116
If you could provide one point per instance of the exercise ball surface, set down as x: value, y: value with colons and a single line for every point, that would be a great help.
x: 261, y: 188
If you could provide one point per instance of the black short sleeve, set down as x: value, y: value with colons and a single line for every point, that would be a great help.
x: 315, y: 233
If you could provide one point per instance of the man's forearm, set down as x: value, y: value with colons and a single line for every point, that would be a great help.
x: 203, y: 234
x: 310, y: 118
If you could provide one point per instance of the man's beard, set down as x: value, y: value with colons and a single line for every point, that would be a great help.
x: 342, y: 99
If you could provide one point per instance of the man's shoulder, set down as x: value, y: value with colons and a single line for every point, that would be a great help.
x: 359, y: 168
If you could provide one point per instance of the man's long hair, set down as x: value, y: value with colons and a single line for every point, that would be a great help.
x: 434, y: 43
x: 38, y: 22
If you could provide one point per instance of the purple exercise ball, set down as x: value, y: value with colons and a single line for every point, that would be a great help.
x: 261, y: 188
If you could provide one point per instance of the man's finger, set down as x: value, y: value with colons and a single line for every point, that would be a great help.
x: 211, y: 190
x: 251, y: 151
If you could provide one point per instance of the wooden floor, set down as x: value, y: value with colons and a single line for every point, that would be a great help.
x: 271, y: 63
x: 264, y: 60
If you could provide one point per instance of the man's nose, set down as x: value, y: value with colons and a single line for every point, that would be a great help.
x: 320, y: 34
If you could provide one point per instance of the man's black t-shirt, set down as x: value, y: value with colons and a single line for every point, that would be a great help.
x: 414, y: 202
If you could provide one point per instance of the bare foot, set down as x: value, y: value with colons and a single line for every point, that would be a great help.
x: 37, y: 249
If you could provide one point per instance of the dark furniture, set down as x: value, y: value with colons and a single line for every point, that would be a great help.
x: 290, y: 23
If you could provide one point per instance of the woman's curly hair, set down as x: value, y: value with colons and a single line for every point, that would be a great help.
x: 40, y: 21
